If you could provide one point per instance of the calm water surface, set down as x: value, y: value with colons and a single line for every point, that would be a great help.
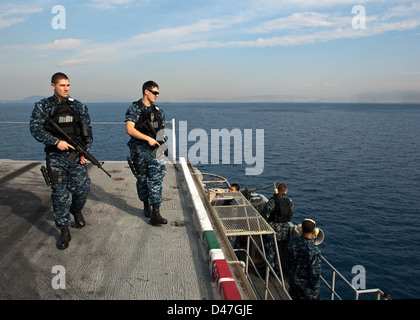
x: 354, y: 168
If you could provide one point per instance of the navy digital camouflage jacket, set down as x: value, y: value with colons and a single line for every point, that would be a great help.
x: 133, y: 115
x: 41, y: 113
x: 304, y: 266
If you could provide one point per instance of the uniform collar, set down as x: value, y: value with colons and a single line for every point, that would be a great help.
x: 280, y: 195
x: 61, y: 102
x: 147, y: 107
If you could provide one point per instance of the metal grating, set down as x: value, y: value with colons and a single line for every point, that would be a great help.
x: 237, y: 216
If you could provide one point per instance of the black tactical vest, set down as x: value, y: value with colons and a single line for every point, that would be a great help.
x: 68, y: 119
x: 282, y: 210
x: 149, y: 122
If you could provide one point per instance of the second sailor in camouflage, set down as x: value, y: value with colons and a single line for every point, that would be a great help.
x: 145, y: 124
x: 304, y: 264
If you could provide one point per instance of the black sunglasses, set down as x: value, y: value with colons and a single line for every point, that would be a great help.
x: 154, y: 92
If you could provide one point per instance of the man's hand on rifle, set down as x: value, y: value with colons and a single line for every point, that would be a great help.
x: 64, y: 146
x: 152, y: 142
x: 83, y: 160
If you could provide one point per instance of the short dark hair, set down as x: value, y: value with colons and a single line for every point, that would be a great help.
x: 308, y: 226
x: 281, y: 187
x: 149, y: 85
x: 57, y: 77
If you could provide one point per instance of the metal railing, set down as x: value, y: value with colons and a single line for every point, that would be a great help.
x: 237, y: 217
x: 269, y: 286
x: 332, y: 286
x: 273, y: 285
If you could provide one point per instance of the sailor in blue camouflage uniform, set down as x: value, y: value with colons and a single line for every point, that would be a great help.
x: 145, y: 123
x: 304, y: 264
x: 67, y: 172
x: 278, y: 212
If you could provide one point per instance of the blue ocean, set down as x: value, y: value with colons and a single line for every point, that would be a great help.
x: 353, y: 168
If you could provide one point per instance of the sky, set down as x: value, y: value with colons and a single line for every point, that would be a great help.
x: 213, y: 50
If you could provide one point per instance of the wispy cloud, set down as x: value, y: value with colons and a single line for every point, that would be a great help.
x: 121, y: 37
x: 179, y: 32
x: 11, y: 14
x: 63, y: 44
x: 311, y: 27
x: 310, y: 3
x: 246, y: 29
x: 402, y: 11
x: 92, y: 54
x: 109, y: 4
x: 17, y: 9
x: 301, y: 19
x: 80, y: 62
x: 299, y: 29
x: 327, y: 35
x: 202, y: 27
x: 7, y: 22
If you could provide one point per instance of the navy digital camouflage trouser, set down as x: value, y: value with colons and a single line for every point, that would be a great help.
x: 282, y: 236
x: 78, y: 185
x: 149, y: 185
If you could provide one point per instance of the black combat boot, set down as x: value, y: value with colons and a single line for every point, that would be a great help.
x: 79, y: 221
x: 147, y: 208
x: 156, y: 218
x: 65, y: 237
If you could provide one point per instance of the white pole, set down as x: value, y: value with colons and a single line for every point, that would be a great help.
x: 173, y: 140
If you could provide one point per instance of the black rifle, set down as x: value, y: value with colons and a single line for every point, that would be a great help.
x: 247, y: 192
x: 79, y: 148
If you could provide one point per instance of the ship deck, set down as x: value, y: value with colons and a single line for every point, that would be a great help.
x: 117, y: 255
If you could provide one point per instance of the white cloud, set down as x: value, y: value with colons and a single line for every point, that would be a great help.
x: 11, y: 14
x: 12, y: 9
x: 109, y: 4
x: 402, y: 11
x: 298, y: 28
x: 337, y: 32
x: 202, y: 26
x: 310, y: 27
x: 64, y: 44
x: 9, y: 22
x: 79, y: 62
x: 198, y: 45
x: 309, y: 3
x: 302, y: 19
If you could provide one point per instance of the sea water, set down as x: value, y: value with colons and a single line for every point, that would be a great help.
x: 353, y: 168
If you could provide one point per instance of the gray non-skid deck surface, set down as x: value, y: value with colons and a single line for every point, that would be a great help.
x: 118, y: 255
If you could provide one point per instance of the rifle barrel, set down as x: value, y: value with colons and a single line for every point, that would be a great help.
x: 255, y: 189
x: 108, y: 174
